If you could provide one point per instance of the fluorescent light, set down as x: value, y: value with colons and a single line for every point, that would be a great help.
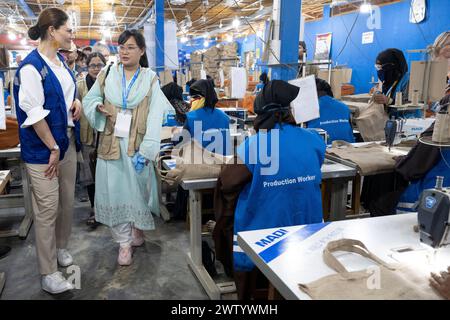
x: 106, y: 33
x: 12, y: 36
x: 229, y: 38
x: 365, y: 8
x: 184, y: 39
x: 259, y: 34
x: 108, y: 16
x: 206, y: 43
x: 24, y: 41
x: 236, y: 23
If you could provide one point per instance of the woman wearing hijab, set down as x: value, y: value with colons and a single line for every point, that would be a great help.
x: 334, y: 115
x: 420, y: 167
x: 262, y: 195
x: 128, y: 111
x: 204, y: 121
x: 263, y: 80
x: 95, y: 63
x: 174, y: 93
x: 392, y: 70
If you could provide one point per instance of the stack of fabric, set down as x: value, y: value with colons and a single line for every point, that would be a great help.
x: 196, y: 60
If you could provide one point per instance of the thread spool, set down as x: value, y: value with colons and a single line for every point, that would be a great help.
x: 415, y: 98
x: 398, y: 99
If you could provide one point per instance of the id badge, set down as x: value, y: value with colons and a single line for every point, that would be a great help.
x: 123, y: 124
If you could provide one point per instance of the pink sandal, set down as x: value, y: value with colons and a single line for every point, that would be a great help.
x: 138, y: 237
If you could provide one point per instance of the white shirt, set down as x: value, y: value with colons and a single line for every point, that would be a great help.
x: 31, y: 92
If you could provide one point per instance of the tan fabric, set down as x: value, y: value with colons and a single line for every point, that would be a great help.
x: 9, y: 138
x: 193, y: 162
x: 53, y: 208
x: 109, y: 147
x: 441, y: 133
x: 370, y: 159
x: 396, y: 282
x: 371, y: 122
x: 86, y: 131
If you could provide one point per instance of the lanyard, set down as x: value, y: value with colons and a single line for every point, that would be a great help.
x: 125, y: 90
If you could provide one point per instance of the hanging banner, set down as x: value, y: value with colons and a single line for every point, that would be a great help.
x: 323, y: 46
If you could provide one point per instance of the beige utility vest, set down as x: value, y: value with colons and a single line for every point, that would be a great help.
x: 109, y: 147
x: 86, y: 131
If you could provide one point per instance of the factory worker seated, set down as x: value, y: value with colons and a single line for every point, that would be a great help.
x: 204, y: 120
x: 392, y: 71
x: 421, y: 166
x: 174, y: 93
x: 263, y: 80
x: 275, y: 181
x: 334, y: 115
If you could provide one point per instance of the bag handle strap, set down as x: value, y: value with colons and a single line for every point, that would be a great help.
x: 102, y: 82
x: 349, y: 245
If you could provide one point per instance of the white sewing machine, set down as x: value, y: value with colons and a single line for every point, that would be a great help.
x: 400, y: 130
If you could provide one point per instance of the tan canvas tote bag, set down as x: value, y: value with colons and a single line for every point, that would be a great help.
x: 382, y: 282
x: 371, y: 122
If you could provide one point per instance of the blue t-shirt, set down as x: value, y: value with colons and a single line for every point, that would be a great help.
x: 415, y: 188
x: 285, y: 186
x: 334, y: 119
x: 210, y: 127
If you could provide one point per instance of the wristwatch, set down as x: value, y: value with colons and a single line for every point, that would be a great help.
x: 55, y: 148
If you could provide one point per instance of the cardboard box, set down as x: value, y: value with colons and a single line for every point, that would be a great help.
x: 338, y: 78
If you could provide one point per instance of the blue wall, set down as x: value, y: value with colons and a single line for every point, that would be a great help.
x: 396, y: 31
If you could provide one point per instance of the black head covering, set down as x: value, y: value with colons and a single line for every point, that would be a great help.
x: 394, y: 67
x: 264, y: 78
x: 276, y: 96
x: 205, y: 88
x: 172, y: 91
x: 272, y: 104
x: 190, y: 82
x: 323, y: 88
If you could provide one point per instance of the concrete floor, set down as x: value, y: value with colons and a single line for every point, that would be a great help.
x: 159, y: 269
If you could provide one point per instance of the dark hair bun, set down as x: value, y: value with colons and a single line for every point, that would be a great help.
x: 34, y: 33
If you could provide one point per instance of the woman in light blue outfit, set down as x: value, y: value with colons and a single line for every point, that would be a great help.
x: 129, y: 118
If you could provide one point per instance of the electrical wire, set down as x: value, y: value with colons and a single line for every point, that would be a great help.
x: 443, y: 158
x: 417, y: 23
x: 357, y: 47
x: 348, y: 36
x: 263, y: 41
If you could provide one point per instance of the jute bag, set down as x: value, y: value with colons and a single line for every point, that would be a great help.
x: 441, y: 132
x: 396, y: 282
x: 192, y: 162
x: 9, y: 138
x: 371, y: 122
x: 370, y: 159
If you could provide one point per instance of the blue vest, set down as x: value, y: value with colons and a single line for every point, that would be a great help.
x: 33, y: 150
x: 289, y: 195
x: 412, y: 193
x: 212, y: 122
x: 334, y: 119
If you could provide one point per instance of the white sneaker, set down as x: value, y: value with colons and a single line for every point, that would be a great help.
x: 64, y: 257
x: 55, y: 283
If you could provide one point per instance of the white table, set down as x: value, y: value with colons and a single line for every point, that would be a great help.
x: 18, y: 200
x: 296, y: 257
x: 338, y: 173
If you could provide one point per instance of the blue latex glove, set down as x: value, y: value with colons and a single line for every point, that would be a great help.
x: 139, y: 162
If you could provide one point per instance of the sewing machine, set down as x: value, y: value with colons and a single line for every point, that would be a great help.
x: 434, y: 215
x: 399, y: 130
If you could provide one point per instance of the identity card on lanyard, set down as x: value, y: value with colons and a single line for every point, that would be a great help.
x: 123, y: 121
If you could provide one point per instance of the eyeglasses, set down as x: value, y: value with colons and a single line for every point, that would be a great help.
x: 127, y: 49
x: 96, y: 66
x: 380, y: 67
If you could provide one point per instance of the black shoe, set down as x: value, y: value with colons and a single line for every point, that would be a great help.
x: 4, y: 250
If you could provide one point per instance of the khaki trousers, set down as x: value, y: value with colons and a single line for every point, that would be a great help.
x: 53, y: 207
